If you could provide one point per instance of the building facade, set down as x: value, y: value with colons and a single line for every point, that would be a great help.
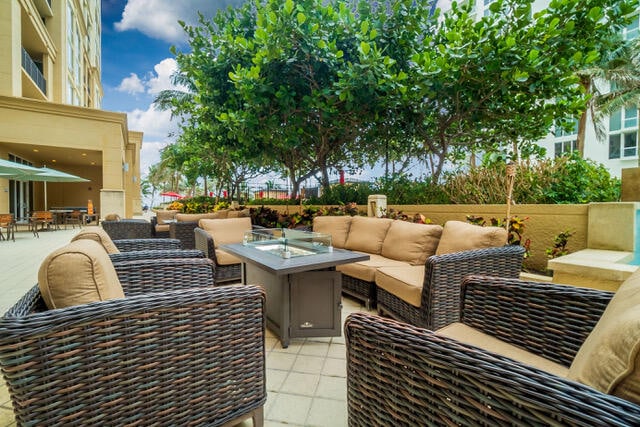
x: 50, y: 99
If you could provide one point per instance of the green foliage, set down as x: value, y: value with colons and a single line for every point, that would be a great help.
x: 559, y: 245
x: 343, y: 193
x: 199, y: 204
x: 578, y: 180
x: 402, y: 190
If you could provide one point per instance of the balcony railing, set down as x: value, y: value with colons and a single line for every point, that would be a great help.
x: 33, y: 71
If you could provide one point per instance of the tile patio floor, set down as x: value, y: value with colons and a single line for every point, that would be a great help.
x: 306, y: 384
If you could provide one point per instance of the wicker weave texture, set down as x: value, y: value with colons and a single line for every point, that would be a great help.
x: 126, y: 245
x: 184, y: 357
x: 440, y: 301
x: 360, y: 289
x: 546, y: 319
x: 400, y: 375
x: 156, y: 254
x: 184, y: 231
x: 128, y: 229
x: 144, y: 276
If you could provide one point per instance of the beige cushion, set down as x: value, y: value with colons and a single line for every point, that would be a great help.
x: 225, y: 258
x: 413, y: 243
x: 78, y: 273
x: 468, y: 335
x: 225, y: 231
x: 162, y: 227
x: 162, y: 216
x: 239, y: 214
x: 336, y: 226
x: 366, y: 270
x: 182, y: 217
x: 609, y: 359
x: 458, y: 236
x: 367, y: 234
x: 404, y: 282
x: 99, y: 235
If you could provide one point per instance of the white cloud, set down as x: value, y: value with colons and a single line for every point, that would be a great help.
x: 131, y: 84
x: 159, y: 18
x: 154, y: 123
x: 161, y: 80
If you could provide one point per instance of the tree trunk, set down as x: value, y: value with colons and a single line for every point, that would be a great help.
x: 582, y: 123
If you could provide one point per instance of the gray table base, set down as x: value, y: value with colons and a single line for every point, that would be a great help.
x: 299, y: 305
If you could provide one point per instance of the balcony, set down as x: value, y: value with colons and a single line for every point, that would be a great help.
x: 33, y: 71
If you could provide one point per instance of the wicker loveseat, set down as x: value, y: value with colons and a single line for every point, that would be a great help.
x: 172, y: 350
x: 181, y: 226
x: 523, y: 354
x: 415, y: 270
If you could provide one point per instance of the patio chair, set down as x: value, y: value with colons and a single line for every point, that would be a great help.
x: 128, y: 229
x: 507, y: 364
x: 73, y: 218
x: 134, y: 249
x: 7, y: 227
x: 217, y: 232
x: 171, y: 350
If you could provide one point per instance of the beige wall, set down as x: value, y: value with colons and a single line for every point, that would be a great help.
x: 66, y: 132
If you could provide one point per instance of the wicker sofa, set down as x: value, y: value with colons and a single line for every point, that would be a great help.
x: 181, y: 226
x: 415, y: 270
x: 523, y: 353
x: 159, y: 354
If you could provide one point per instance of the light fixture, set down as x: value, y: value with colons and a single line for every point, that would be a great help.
x: 54, y: 160
x: 84, y: 154
x: 35, y: 150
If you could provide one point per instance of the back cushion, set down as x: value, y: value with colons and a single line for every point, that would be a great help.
x: 239, y: 214
x: 162, y: 216
x: 458, y: 236
x: 224, y: 231
x: 78, y: 273
x: 367, y: 234
x: 336, y: 226
x: 181, y: 217
x: 609, y: 359
x: 97, y: 234
x: 413, y: 243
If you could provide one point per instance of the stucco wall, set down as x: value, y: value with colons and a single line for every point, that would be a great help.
x: 544, y: 222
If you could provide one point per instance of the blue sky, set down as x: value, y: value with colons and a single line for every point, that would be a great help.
x: 137, y: 63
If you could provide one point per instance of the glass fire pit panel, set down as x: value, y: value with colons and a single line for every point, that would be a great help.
x: 288, y: 243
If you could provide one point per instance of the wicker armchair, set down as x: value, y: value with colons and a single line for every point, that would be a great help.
x: 440, y: 301
x: 184, y: 231
x: 126, y: 245
x: 128, y: 229
x: 173, y: 352
x: 223, y: 273
x: 398, y: 374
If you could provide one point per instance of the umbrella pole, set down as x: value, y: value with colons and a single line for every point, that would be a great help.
x: 45, y: 195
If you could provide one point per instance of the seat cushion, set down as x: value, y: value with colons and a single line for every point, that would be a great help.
x: 336, y: 226
x: 609, y: 359
x: 468, y: 335
x: 458, y: 236
x: 78, y: 273
x: 403, y: 282
x: 225, y: 231
x: 97, y: 234
x: 367, y: 234
x: 162, y: 228
x: 366, y: 270
x: 225, y: 258
x: 410, y: 242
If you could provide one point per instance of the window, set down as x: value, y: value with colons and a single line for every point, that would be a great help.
x: 564, y: 147
x: 623, y: 133
x: 631, y: 31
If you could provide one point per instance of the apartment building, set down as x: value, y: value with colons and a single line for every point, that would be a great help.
x: 50, y: 99
x: 619, y: 150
